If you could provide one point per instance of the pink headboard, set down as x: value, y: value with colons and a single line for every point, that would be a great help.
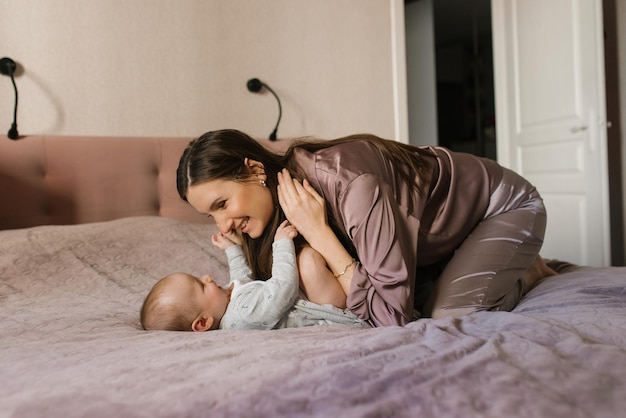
x: 52, y: 180
x: 70, y: 180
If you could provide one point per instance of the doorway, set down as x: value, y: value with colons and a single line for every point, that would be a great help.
x: 464, y: 76
x: 458, y: 42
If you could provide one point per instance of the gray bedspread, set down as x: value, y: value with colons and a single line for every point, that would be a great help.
x: 71, y: 343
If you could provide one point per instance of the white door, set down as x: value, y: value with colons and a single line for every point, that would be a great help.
x: 551, y: 117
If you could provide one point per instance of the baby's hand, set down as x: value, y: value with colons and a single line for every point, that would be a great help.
x: 223, y: 241
x: 285, y: 230
x: 234, y: 236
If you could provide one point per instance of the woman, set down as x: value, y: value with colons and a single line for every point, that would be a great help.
x: 401, y: 227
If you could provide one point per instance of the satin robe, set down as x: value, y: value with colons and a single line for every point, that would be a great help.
x: 465, y: 243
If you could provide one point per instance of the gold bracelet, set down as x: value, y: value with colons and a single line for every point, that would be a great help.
x: 345, y: 270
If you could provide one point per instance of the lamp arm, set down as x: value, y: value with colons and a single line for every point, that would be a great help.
x: 280, y: 113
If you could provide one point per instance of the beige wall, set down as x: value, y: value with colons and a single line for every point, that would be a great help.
x: 179, y: 67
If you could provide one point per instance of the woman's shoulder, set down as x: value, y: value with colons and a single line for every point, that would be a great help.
x: 356, y: 166
x: 351, y: 158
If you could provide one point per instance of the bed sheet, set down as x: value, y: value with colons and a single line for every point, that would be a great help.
x: 71, y: 343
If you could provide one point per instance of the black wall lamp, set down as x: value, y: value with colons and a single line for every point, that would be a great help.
x: 255, y: 85
x: 8, y: 67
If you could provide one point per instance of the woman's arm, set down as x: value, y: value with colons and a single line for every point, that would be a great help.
x: 379, y: 287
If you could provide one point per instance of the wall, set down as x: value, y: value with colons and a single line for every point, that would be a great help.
x: 179, y: 68
x: 421, y: 80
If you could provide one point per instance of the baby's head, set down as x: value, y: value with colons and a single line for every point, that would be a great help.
x: 182, y: 302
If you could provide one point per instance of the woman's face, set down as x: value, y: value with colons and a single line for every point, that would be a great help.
x: 245, y: 207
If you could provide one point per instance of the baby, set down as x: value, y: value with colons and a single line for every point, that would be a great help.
x: 182, y: 302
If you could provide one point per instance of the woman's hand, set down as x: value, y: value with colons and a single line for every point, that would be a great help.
x: 303, y: 206
x: 306, y: 210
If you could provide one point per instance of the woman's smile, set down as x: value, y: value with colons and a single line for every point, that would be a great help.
x: 244, y: 226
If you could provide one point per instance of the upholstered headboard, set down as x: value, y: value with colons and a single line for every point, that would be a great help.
x: 52, y: 180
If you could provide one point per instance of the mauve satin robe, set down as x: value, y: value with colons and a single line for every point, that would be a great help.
x: 480, y: 225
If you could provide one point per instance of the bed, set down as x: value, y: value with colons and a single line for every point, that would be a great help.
x: 90, y: 223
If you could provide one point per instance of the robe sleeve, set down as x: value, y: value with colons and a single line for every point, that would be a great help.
x: 381, y: 290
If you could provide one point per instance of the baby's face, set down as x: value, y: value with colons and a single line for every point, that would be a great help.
x: 202, y: 292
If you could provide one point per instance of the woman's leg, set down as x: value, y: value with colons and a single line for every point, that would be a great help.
x: 317, y: 281
x: 499, y: 261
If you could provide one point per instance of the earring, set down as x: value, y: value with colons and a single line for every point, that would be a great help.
x: 263, y: 183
